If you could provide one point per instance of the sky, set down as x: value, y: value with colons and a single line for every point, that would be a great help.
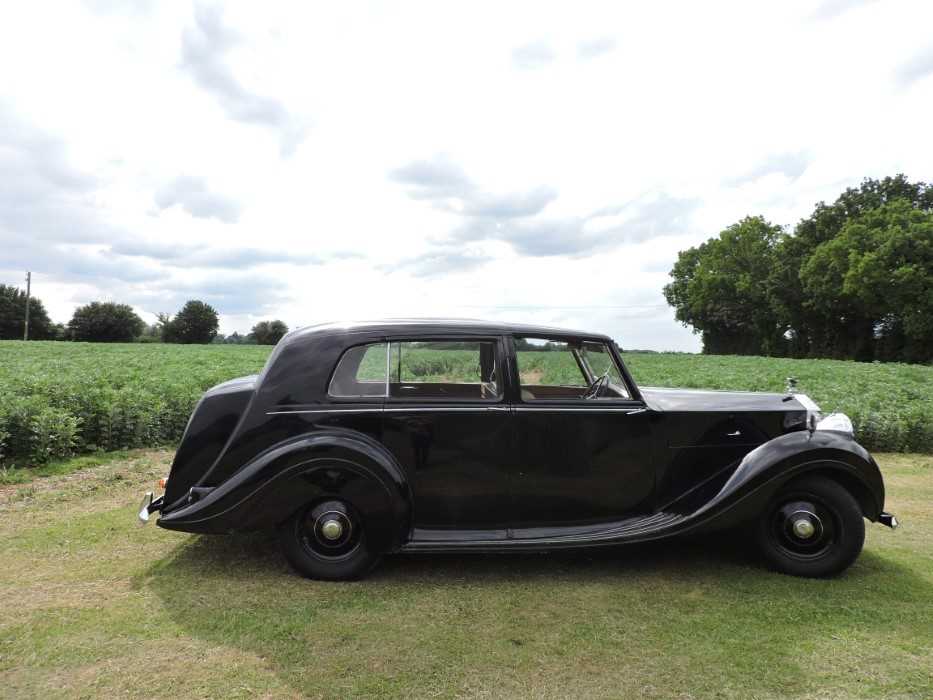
x: 531, y: 162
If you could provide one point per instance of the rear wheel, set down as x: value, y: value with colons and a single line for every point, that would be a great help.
x: 813, y: 527
x: 327, y: 541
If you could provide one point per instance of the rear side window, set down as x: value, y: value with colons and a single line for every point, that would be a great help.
x: 361, y: 372
x: 444, y: 370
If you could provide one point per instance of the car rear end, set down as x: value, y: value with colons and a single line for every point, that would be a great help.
x: 212, y: 424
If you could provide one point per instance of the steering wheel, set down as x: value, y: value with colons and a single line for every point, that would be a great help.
x: 596, y: 388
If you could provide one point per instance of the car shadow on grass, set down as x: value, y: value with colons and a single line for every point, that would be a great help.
x: 469, y: 611
x: 245, y: 554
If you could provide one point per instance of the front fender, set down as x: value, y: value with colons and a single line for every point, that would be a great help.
x: 768, y: 467
x: 308, y: 468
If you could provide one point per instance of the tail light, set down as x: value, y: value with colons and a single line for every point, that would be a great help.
x: 163, y: 482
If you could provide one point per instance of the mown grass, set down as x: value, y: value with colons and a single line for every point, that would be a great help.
x: 91, y: 606
x: 61, y: 399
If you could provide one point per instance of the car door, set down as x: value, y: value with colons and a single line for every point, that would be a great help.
x: 578, y: 461
x: 447, y: 421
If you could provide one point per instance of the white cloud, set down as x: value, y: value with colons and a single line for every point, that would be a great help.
x: 536, y: 54
x: 194, y: 196
x: 526, y: 161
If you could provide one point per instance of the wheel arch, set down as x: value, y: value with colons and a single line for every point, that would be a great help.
x: 769, y: 467
x: 851, y: 483
x: 303, y: 470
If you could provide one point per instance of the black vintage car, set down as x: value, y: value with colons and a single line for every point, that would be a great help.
x: 360, y: 439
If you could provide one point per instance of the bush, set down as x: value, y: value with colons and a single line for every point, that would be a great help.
x: 197, y: 322
x: 105, y: 323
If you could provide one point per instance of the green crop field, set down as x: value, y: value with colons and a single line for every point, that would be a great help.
x: 61, y: 399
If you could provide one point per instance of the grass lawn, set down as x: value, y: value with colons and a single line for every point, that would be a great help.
x: 91, y: 605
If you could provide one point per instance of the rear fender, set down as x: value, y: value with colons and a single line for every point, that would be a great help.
x: 303, y: 470
x: 764, y: 470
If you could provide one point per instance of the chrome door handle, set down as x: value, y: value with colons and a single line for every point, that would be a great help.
x: 497, y: 408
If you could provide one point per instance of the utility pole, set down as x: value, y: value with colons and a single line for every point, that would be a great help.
x: 28, y: 284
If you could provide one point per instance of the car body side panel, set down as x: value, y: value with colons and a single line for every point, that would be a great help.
x: 751, y: 485
x: 576, y: 465
x: 692, y: 446
x: 457, y: 458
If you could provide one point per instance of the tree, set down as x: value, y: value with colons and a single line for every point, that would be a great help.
x: 855, y: 280
x: 13, y: 316
x: 105, y: 322
x: 268, y: 332
x: 196, y: 323
x: 880, y: 266
x: 718, y: 289
x: 833, y: 325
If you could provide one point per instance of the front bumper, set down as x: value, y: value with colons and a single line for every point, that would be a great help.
x: 148, y: 506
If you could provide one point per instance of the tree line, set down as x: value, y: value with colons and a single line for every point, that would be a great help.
x: 110, y: 322
x: 854, y: 280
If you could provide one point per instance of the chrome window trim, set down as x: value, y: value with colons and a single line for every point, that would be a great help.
x: 325, y: 410
x: 388, y: 367
x: 461, y: 409
x: 581, y: 409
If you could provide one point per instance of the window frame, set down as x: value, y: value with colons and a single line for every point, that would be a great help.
x: 634, y: 397
x: 502, y: 373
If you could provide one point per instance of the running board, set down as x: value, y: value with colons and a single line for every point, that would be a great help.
x: 637, y: 529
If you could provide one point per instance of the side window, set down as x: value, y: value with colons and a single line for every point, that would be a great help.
x: 550, y: 369
x: 444, y: 370
x: 361, y: 372
x: 599, y: 362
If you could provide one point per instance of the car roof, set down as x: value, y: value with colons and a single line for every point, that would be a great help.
x: 401, y: 326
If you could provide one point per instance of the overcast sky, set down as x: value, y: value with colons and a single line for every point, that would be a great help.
x: 532, y: 162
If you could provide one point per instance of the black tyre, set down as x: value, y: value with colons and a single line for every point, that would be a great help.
x: 813, y: 527
x: 327, y: 541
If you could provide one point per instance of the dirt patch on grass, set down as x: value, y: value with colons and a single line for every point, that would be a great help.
x: 86, y: 490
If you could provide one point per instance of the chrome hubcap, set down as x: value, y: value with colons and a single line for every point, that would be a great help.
x: 803, y: 528
x: 332, y: 529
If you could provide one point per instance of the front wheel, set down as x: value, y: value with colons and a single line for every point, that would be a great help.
x: 327, y: 541
x: 813, y: 528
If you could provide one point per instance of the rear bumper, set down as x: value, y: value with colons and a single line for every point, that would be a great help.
x: 888, y: 519
x: 148, y: 506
